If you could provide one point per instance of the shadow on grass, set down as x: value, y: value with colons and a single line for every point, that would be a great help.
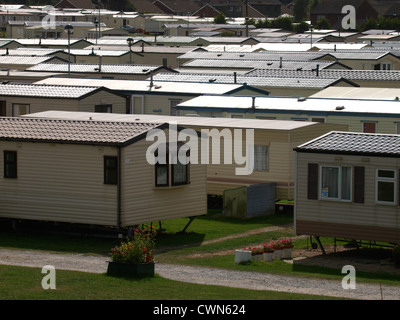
x: 172, y: 241
x: 369, y: 264
x: 49, y: 237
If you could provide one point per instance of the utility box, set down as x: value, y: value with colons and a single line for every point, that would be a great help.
x: 250, y: 201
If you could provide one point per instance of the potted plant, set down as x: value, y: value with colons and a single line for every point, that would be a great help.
x: 278, y: 248
x: 243, y: 255
x: 268, y: 253
x: 396, y: 255
x: 257, y: 253
x: 287, y: 248
x: 135, y: 256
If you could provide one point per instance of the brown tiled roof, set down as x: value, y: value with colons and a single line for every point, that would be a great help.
x: 73, y: 131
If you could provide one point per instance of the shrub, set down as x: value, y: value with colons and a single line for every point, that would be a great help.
x: 138, y: 249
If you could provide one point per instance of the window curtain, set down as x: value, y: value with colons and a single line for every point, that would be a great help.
x: 330, y: 178
x: 346, y: 183
x: 261, y: 158
x: 180, y: 173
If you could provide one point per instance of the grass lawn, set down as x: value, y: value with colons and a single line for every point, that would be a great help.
x: 22, y: 283
x: 173, y: 247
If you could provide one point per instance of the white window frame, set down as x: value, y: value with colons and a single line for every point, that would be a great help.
x: 339, y: 198
x: 383, y: 179
x: 386, y: 66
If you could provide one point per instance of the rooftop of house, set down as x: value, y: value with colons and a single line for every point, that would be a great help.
x: 45, y: 91
x: 252, y: 81
x: 352, y: 75
x: 259, y: 64
x: 146, y: 86
x: 95, y: 68
x: 352, y: 143
x: 72, y: 131
x: 293, y: 105
x: 280, y: 125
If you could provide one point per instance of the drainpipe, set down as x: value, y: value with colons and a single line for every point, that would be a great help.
x: 119, y: 188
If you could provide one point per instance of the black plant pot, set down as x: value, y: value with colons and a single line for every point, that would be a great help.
x: 119, y: 269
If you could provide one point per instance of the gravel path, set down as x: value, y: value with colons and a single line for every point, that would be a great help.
x: 237, y: 279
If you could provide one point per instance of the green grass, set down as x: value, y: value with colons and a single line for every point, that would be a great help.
x: 173, y: 247
x: 22, y: 283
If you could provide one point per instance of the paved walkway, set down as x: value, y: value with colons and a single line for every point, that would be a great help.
x: 237, y: 279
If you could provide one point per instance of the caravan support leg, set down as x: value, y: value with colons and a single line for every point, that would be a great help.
x: 187, y: 225
x: 320, y: 244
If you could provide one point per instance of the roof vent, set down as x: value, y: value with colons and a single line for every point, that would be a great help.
x: 339, y: 108
x: 212, y: 80
x: 301, y: 99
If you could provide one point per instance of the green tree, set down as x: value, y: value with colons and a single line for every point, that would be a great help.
x: 301, y: 10
x: 262, y: 23
x: 282, y: 23
x: 324, y: 23
x: 302, y: 27
x: 220, y: 18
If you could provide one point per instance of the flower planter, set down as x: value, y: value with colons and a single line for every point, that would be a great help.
x: 119, y: 269
x: 258, y: 256
x: 277, y: 254
x: 242, y: 256
x: 268, y: 256
x: 287, y: 252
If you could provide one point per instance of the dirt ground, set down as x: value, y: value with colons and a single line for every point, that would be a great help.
x: 363, y: 259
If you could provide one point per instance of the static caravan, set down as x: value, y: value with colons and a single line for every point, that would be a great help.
x: 361, y: 115
x: 273, y: 143
x: 19, y: 99
x: 158, y: 97
x: 98, y: 69
x: 277, y: 87
x: 92, y: 172
x: 347, y: 186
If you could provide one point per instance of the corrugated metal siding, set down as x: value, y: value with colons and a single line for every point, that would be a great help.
x: 261, y: 200
x: 336, y: 212
x: 58, y: 183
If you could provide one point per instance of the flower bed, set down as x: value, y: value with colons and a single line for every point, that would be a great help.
x: 274, y: 250
x: 135, y: 256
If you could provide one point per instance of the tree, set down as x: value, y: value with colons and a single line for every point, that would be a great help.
x: 324, y: 23
x: 302, y: 27
x: 220, y: 18
x: 301, y: 10
x: 282, y: 23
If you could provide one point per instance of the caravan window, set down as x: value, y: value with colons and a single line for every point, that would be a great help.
x: 336, y: 182
x: 10, y: 164
x: 385, y: 186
